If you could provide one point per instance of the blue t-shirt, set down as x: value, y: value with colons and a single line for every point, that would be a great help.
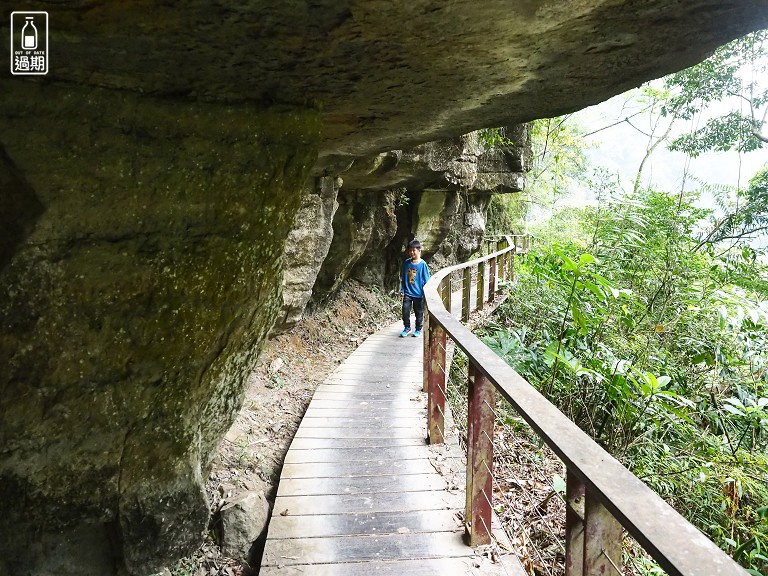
x: 414, y: 276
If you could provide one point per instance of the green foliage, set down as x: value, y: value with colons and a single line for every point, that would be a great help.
x: 659, y: 350
x: 558, y: 161
x: 493, y: 138
x: 559, y: 157
x: 731, y: 131
x: 738, y: 70
x: 749, y: 215
x: 506, y: 213
x: 645, y: 318
x: 565, y: 226
x: 275, y: 382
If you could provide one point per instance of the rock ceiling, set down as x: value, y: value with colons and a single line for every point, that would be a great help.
x: 391, y: 74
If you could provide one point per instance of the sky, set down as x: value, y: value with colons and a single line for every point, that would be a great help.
x: 621, y: 148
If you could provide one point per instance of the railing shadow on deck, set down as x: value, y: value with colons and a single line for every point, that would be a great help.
x: 603, y: 498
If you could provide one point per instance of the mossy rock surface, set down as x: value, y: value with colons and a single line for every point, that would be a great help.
x: 135, y: 308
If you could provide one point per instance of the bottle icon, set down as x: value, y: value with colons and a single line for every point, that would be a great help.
x: 29, y: 35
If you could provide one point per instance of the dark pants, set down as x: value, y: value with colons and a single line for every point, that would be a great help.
x: 418, y: 308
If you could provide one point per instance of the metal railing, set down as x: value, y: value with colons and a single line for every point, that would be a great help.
x: 603, y: 498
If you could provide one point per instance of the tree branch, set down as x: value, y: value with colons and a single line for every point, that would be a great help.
x: 617, y: 123
x: 760, y: 136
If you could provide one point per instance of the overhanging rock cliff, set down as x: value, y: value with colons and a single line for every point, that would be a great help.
x: 357, y: 225
x: 149, y: 184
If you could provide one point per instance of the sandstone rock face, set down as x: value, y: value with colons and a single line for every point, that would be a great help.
x: 450, y: 225
x: 243, y: 519
x: 307, y: 247
x: 149, y: 183
x: 133, y: 311
x: 465, y: 162
x: 436, y: 192
x: 21, y: 208
x: 362, y: 228
x: 392, y: 74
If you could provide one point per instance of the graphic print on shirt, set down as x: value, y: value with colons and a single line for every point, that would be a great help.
x: 412, y: 276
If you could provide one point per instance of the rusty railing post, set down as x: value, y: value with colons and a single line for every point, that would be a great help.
x: 602, y: 539
x: 435, y: 370
x: 574, y: 526
x: 426, y: 344
x: 480, y: 285
x: 491, y: 279
x: 502, y: 269
x: 466, y: 290
x: 592, y: 535
x: 447, y: 293
x: 480, y: 422
x: 503, y: 263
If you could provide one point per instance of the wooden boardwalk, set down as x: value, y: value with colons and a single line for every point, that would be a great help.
x: 361, y: 492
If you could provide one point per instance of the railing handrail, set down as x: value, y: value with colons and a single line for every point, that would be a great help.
x: 678, y: 546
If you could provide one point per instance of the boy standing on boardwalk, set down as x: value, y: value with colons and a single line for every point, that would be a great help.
x: 414, y: 275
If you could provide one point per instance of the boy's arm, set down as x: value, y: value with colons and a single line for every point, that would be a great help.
x: 424, y: 274
x: 402, y: 278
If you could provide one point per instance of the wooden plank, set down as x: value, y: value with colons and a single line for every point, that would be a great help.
x: 295, y: 455
x: 401, y: 383
x: 373, y: 357
x: 358, y: 491
x: 378, y: 342
x: 360, y: 484
x: 376, y: 371
x: 602, y: 538
x: 365, y: 548
x: 479, y: 507
x: 405, y: 567
x: 341, y: 418
x: 397, y: 360
x: 355, y: 394
x: 357, y: 503
x: 307, y: 432
x: 365, y: 382
x: 362, y: 394
x: 388, y: 337
x: 363, y: 423
x: 335, y: 443
x: 389, y: 387
x: 373, y: 361
x: 404, y: 358
x: 381, y: 467
x: 367, y: 523
x: 391, y: 402
x: 357, y: 411
x: 574, y: 525
x: 435, y: 370
x: 410, y: 414
x: 341, y: 398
